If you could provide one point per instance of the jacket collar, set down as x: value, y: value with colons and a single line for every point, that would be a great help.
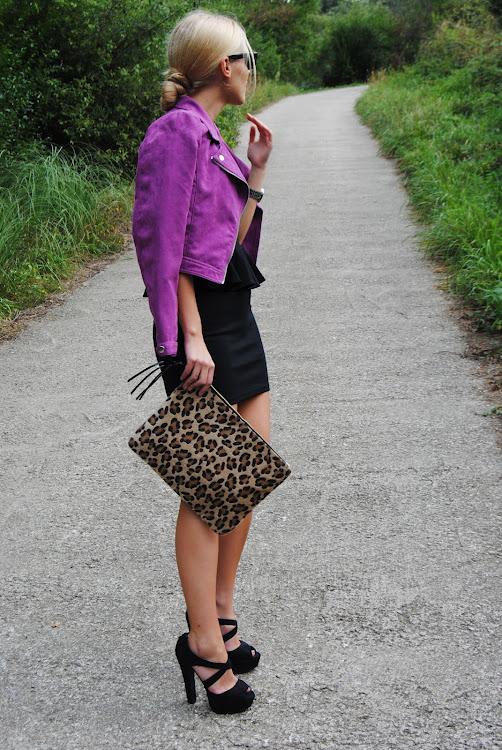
x: 241, y: 169
x: 189, y: 103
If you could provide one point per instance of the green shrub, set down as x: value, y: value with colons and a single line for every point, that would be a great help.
x: 289, y: 34
x: 89, y: 73
x: 452, y: 46
x: 360, y: 39
x: 55, y: 211
x: 444, y: 130
x: 82, y: 73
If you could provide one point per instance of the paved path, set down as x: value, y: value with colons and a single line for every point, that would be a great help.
x: 371, y: 579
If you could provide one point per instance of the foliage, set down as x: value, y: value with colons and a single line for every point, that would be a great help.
x: 88, y: 73
x: 59, y: 208
x: 467, y: 32
x: 359, y: 39
x: 441, y: 119
x: 289, y: 28
x: 55, y: 210
x: 79, y: 73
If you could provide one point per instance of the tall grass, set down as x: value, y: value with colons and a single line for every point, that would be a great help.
x: 444, y: 130
x: 56, y: 210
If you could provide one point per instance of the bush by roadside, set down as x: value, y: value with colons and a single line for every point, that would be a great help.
x: 60, y: 210
x: 441, y: 119
x: 56, y: 211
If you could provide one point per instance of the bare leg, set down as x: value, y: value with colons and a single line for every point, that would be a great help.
x: 197, y: 559
x: 256, y: 410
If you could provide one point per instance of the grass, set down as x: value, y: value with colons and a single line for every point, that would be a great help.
x: 56, y: 211
x: 59, y: 210
x: 444, y: 132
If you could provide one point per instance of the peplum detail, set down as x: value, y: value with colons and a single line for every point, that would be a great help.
x: 242, y: 273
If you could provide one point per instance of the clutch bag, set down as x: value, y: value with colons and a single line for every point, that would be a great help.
x: 208, y: 454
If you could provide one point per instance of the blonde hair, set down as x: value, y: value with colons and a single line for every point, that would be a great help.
x: 195, y: 46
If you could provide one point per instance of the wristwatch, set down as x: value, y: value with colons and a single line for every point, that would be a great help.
x: 256, y: 194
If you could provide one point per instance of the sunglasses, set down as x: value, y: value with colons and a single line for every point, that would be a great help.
x: 246, y: 57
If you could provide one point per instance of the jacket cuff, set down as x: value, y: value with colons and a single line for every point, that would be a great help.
x: 167, y: 347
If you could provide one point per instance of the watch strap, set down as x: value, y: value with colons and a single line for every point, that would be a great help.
x: 256, y: 194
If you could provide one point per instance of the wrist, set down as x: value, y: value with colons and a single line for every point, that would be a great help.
x: 256, y: 177
x: 193, y: 333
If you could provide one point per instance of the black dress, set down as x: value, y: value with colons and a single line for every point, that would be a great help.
x: 229, y: 330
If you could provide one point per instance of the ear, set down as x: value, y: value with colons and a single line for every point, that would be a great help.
x: 224, y: 66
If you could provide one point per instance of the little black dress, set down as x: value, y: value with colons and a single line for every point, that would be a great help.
x: 229, y: 330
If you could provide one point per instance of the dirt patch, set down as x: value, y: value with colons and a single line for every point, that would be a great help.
x: 481, y: 346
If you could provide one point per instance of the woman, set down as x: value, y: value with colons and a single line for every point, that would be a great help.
x: 196, y: 228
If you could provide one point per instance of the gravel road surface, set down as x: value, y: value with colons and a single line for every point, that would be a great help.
x: 371, y: 581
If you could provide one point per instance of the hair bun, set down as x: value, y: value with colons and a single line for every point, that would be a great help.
x: 181, y: 79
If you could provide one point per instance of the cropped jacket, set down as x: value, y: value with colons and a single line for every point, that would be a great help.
x: 190, y: 192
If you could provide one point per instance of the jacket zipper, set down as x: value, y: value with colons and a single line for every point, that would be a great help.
x: 218, y: 162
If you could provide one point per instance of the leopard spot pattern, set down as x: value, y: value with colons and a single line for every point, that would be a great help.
x: 209, y: 456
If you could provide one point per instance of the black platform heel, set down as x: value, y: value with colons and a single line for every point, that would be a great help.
x: 241, y: 658
x: 234, y: 700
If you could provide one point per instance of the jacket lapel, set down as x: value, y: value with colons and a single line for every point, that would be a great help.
x: 244, y: 168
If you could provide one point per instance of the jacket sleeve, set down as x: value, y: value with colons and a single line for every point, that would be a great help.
x: 164, y: 182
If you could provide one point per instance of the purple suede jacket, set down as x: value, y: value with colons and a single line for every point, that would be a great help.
x: 190, y: 192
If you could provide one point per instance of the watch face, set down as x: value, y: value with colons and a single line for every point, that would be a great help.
x: 256, y: 194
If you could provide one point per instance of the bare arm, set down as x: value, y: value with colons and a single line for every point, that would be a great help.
x: 255, y: 180
x: 187, y: 307
x: 199, y: 369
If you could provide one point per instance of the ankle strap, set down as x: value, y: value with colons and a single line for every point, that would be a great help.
x: 222, y: 621
x: 216, y: 676
x: 231, y: 633
x: 199, y: 660
x: 225, y: 621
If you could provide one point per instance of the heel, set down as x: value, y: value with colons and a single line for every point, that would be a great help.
x: 186, y: 671
x: 234, y: 700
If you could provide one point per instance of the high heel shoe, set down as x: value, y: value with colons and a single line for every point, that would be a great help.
x: 241, y: 658
x: 234, y: 700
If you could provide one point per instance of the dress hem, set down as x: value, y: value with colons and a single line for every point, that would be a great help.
x: 254, y: 392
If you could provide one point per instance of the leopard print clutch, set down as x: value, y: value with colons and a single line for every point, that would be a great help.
x: 210, y: 456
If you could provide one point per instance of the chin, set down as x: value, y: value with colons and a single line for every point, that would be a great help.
x: 238, y: 99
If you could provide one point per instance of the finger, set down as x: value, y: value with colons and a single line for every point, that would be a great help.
x: 187, y: 370
x: 207, y: 380
x: 260, y: 125
x: 193, y: 377
x: 255, y: 119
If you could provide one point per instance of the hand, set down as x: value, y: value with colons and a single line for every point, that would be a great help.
x: 199, y: 368
x: 259, y: 151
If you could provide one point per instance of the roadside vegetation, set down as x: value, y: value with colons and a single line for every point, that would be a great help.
x: 62, y: 207
x: 80, y: 82
x: 441, y: 118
